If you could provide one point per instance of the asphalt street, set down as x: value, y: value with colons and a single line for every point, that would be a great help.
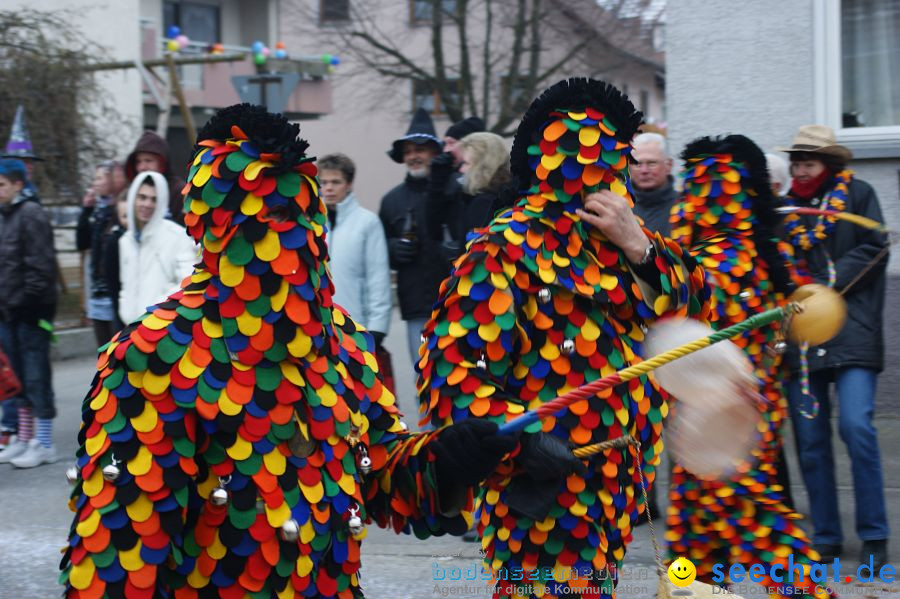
x: 36, y: 518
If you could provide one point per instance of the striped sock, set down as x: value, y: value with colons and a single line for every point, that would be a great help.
x: 26, y: 425
x: 45, y: 432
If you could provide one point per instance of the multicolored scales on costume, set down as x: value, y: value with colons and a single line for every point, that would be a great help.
x: 540, y: 304
x: 238, y: 436
x: 726, y: 217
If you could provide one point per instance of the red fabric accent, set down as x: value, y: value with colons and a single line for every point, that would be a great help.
x: 10, y: 385
x: 386, y: 368
x: 805, y: 190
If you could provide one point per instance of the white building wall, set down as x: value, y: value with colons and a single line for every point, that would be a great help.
x: 739, y: 67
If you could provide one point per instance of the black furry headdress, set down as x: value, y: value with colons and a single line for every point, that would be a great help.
x: 269, y: 133
x: 576, y: 93
x: 743, y: 150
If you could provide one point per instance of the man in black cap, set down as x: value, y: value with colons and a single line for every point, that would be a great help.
x: 447, y: 198
x: 456, y: 132
x: 414, y: 254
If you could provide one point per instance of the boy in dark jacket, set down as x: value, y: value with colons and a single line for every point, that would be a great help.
x: 27, y: 306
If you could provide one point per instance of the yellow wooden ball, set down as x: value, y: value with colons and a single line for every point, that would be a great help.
x: 823, y: 315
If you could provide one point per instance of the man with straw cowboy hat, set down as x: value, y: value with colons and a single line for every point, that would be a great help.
x: 843, y: 256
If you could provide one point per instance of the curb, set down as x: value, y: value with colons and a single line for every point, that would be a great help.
x: 73, y: 343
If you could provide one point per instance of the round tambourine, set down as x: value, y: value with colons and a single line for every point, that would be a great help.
x: 712, y: 427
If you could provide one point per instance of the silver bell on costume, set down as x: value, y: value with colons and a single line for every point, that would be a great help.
x: 544, y: 295
x: 354, y: 523
x: 365, y: 462
x: 567, y: 347
x: 290, y: 530
x: 111, y: 472
x: 219, y: 496
x: 72, y: 475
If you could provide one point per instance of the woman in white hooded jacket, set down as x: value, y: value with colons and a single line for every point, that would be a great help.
x: 155, y: 254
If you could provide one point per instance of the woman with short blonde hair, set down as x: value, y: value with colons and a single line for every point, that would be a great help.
x: 485, y: 162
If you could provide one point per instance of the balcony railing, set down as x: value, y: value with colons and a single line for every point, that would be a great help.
x: 209, y: 85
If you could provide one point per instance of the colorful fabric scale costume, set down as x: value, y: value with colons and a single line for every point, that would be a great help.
x: 542, y: 303
x: 726, y: 217
x: 236, y: 438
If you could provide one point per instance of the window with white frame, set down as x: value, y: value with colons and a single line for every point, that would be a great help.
x: 857, y: 62
x: 870, y: 63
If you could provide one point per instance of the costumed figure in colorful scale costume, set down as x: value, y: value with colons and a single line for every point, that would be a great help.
x: 237, y: 437
x: 554, y: 293
x: 726, y: 217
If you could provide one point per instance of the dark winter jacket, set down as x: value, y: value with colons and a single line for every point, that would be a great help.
x: 27, y: 263
x: 655, y: 206
x: 109, y: 265
x: 851, y: 247
x: 454, y: 213
x: 93, y: 223
x: 418, y: 281
x: 152, y: 143
x: 483, y: 206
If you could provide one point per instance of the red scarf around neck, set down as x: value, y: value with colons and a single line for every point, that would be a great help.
x: 806, y: 190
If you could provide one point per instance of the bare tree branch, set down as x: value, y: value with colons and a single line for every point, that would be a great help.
x: 467, y: 85
x: 502, y: 51
x: 486, y: 59
x: 42, y: 60
x: 413, y: 69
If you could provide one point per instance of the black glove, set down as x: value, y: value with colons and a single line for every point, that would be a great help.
x: 402, y: 251
x: 547, y: 461
x: 441, y: 170
x: 468, y: 452
x: 378, y: 336
x: 547, y: 457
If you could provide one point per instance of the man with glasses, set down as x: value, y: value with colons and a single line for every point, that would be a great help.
x: 652, y: 182
x: 654, y: 196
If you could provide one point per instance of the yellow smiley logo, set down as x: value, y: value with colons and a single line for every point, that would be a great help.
x: 682, y: 572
